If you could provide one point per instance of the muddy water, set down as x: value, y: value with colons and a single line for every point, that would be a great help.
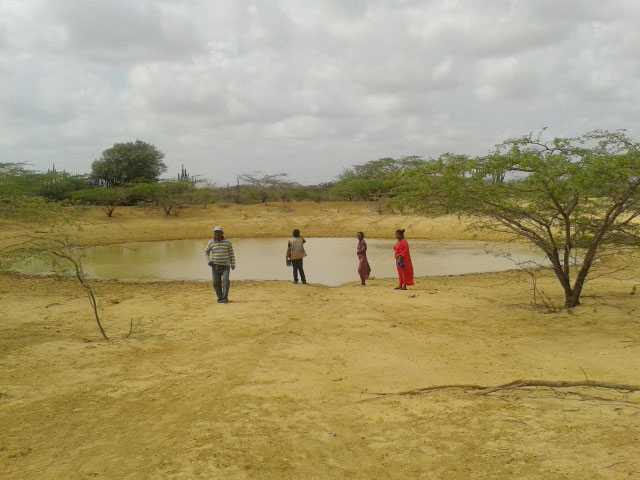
x: 330, y: 261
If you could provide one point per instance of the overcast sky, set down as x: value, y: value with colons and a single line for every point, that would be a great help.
x: 306, y: 87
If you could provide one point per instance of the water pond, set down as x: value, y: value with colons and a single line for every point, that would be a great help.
x: 330, y: 261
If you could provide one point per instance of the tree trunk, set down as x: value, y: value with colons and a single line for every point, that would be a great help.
x: 572, y: 298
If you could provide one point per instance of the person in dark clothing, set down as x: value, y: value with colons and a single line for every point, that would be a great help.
x: 295, y: 253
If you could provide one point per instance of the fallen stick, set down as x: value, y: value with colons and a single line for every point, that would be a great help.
x: 486, y: 390
x: 561, y: 384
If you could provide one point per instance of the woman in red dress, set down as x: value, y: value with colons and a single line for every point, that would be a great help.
x: 403, y: 262
x: 364, y: 270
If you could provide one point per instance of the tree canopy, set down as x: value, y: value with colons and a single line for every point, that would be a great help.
x: 269, y: 186
x: 16, y: 179
x: 128, y: 162
x: 570, y: 197
x: 372, y: 180
x: 107, y: 198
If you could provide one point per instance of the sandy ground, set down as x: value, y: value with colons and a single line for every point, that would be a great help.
x: 281, y: 383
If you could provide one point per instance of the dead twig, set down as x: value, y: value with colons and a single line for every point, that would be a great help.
x: 561, y: 384
x: 418, y: 391
x: 585, y: 374
x: 523, y: 383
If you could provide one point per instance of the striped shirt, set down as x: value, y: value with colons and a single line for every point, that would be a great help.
x: 220, y: 252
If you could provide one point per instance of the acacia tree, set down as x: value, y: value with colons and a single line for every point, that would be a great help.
x: 17, y: 180
x: 570, y: 197
x: 168, y: 195
x: 268, y: 186
x: 371, y: 180
x: 173, y: 194
x: 107, y: 198
x: 128, y: 162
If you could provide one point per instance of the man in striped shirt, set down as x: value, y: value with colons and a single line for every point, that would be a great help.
x: 220, y: 257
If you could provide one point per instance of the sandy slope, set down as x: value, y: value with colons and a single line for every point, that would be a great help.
x: 271, y: 385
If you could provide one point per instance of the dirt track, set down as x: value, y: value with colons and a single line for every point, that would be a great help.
x: 271, y: 385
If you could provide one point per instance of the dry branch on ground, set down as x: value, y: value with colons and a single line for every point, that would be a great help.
x: 486, y: 390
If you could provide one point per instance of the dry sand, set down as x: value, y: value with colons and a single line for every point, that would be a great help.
x: 281, y: 383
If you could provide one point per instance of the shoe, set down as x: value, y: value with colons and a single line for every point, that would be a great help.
x: 220, y: 300
x: 304, y: 283
x: 362, y: 285
x: 398, y: 288
x: 295, y: 282
x: 225, y: 300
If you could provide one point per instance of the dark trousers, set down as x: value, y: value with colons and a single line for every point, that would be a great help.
x: 221, y: 282
x: 297, y: 267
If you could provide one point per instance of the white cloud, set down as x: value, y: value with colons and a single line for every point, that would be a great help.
x: 121, y: 31
x: 308, y: 88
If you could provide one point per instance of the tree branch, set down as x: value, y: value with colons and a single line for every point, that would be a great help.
x: 486, y: 390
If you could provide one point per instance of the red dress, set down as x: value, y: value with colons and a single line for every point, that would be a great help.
x: 364, y: 270
x: 405, y: 274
